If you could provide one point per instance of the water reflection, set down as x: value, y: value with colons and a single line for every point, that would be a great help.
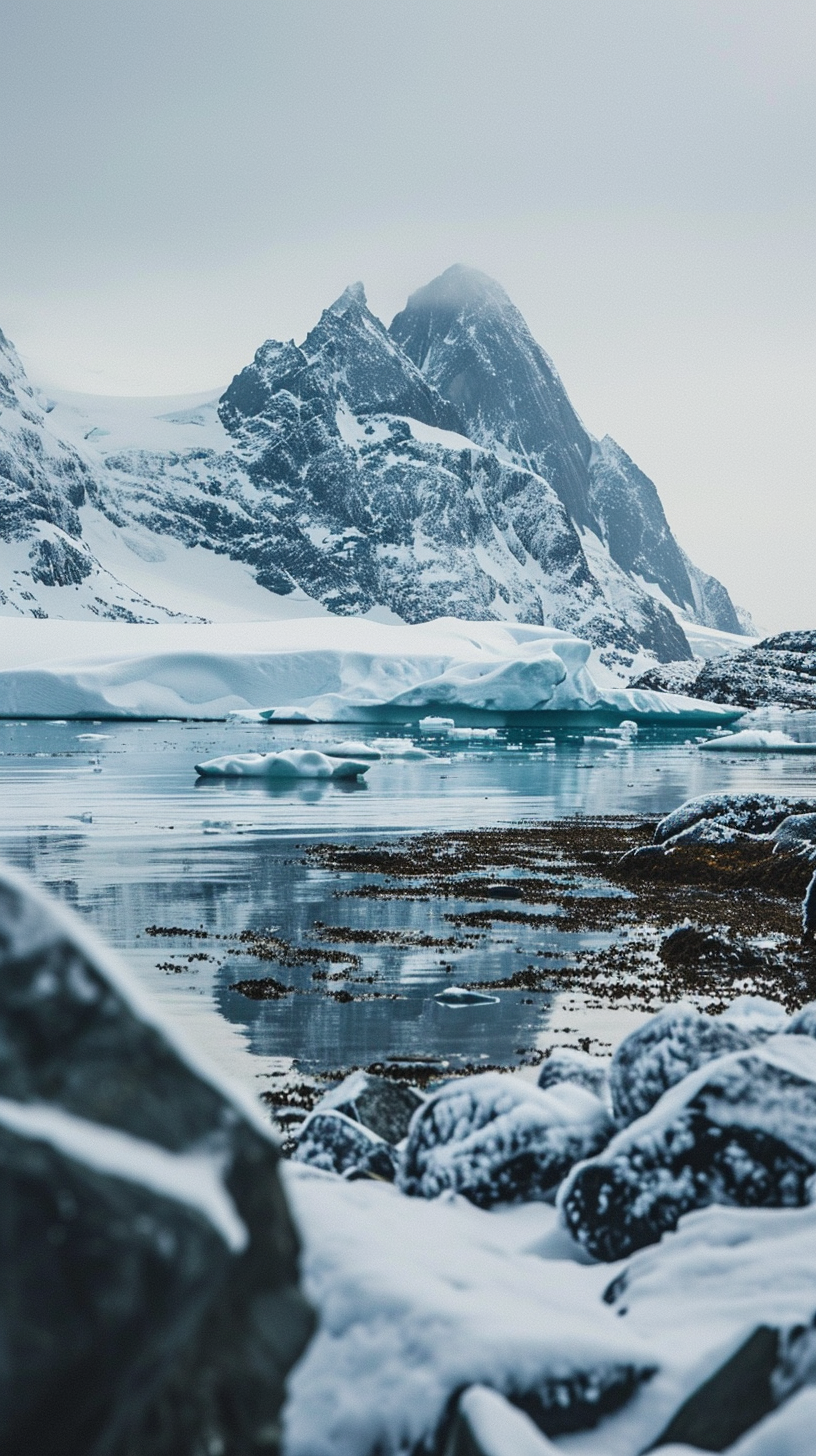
x: 122, y: 830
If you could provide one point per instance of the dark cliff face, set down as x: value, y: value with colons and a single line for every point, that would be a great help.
x: 41, y: 479
x: 472, y: 343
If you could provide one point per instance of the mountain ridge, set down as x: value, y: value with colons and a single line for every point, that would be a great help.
x: 419, y: 470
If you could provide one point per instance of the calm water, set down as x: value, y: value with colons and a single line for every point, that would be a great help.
x: 117, y: 825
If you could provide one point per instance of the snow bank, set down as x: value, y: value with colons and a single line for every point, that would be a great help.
x: 419, y: 1299
x: 293, y: 763
x: 757, y: 740
x: 332, y: 669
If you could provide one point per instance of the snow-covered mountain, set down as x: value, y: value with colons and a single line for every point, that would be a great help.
x: 436, y: 468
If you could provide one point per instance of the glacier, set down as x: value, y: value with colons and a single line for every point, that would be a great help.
x: 331, y: 669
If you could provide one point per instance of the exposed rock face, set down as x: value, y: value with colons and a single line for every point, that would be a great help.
x: 471, y: 342
x: 434, y: 470
x: 779, y: 670
x: 150, y: 1264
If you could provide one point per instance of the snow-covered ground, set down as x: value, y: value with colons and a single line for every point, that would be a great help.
x: 338, y: 669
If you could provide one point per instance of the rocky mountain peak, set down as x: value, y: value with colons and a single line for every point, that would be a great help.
x: 473, y: 344
x: 352, y: 297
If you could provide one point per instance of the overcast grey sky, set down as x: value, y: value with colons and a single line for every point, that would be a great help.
x: 181, y: 179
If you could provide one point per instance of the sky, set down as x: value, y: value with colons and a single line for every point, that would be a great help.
x: 181, y: 179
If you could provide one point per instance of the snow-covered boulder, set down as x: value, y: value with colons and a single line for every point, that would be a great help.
x: 740, y: 1130
x: 498, y: 1139
x: 292, y: 763
x: 150, y: 1296
x: 797, y: 834
x: 803, y: 1022
x: 569, y: 1064
x: 338, y: 1144
x: 748, y: 813
x: 418, y: 1299
x: 379, y: 1103
x: 738, y: 1286
x: 670, y: 1045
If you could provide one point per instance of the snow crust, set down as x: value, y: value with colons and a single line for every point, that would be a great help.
x: 333, y: 669
x: 293, y: 763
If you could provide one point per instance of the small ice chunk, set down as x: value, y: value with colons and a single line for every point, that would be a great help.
x: 457, y: 996
x: 436, y: 727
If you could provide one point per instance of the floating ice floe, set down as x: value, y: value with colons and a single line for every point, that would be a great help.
x: 333, y: 669
x: 351, y: 748
x: 757, y: 740
x: 446, y: 728
x: 293, y: 763
x: 400, y: 748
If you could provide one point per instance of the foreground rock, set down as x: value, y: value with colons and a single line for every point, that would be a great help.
x: 150, y: 1302
x: 497, y: 1139
x: 568, y: 1064
x: 739, y: 1130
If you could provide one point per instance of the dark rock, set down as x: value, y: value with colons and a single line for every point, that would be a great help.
x: 809, y: 911
x: 338, y: 1144
x: 498, y: 1139
x: 689, y: 946
x: 740, y: 1130
x: 568, y: 1064
x: 665, y: 1049
x: 767, y: 1368
x: 379, y: 1103
x: 150, y: 1300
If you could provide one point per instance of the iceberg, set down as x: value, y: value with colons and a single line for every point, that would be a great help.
x: 293, y: 763
x: 328, y: 669
x: 757, y: 740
